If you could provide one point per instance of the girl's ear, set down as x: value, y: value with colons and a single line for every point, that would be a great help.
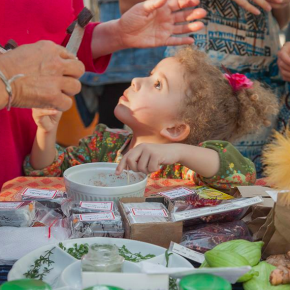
x: 177, y: 133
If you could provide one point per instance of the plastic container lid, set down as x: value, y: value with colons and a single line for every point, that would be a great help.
x: 25, y: 284
x: 204, y: 282
x: 103, y: 287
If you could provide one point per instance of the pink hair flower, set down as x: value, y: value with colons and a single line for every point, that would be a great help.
x: 238, y: 81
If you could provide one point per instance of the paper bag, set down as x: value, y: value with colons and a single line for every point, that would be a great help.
x: 277, y: 225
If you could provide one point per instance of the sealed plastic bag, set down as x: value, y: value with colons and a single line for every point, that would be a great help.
x: 205, y: 237
x: 198, y: 210
x: 100, y: 224
x: 17, y: 214
x: 146, y: 212
x: 50, y: 198
x: 71, y: 207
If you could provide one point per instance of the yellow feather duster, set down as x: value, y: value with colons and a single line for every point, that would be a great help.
x: 276, y: 158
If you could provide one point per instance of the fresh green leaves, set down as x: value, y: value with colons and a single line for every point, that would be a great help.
x: 133, y: 257
x: 43, y: 260
x: 77, y: 251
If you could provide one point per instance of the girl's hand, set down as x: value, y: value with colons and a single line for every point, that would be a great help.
x: 284, y: 61
x: 155, y: 22
x: 264, y: 4
x: 46, y: 119
x: 147, y: 158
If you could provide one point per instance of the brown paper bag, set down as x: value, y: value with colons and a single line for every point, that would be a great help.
x: 277, y: 233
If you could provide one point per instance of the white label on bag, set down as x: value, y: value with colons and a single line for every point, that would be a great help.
x: 205, y: 211
x: 178, y: 192
x: 187, y: 253
x: 149, y: 212
x: 10, y: 205
x: 39, y: 193
x: 97, y: 205
x: 97, y: 216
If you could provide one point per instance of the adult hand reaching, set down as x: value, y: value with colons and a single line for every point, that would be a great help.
x: 50, y: 76
x: 157, y: 22
x: 148, y: 24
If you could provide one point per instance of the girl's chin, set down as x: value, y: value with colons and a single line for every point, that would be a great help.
x: 123, y: 114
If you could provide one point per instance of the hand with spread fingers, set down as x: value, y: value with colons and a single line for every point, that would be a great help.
x: 284, y: 61
x: 157, y: 22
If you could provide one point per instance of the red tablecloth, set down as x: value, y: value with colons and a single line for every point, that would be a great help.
x: 11, y: 189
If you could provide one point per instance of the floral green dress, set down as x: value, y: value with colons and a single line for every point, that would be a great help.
x: 106, y: 145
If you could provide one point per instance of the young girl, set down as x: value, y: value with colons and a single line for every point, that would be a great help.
x: 184, y: 102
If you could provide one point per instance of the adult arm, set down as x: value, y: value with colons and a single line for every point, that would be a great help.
x: 148, y: 24
x: 50, y: 76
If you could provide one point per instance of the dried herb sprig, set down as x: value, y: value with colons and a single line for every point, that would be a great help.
x: 172, y: 281
x: 43, y: 260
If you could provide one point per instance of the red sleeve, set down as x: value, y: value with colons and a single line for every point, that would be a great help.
x: 98, y: 65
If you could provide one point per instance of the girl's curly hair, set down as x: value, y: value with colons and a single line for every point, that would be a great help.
x: 212, y: 109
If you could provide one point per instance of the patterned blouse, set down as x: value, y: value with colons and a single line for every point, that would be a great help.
x: 106, y: 145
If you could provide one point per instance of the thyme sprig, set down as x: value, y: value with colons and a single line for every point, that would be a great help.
x: 172, y: 281
x: 43, y: 260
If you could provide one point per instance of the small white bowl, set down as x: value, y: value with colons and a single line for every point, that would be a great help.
x: 98, y: 182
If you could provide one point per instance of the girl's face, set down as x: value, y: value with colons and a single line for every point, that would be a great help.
x: 152, y: 103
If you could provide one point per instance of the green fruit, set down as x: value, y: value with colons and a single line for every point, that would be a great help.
x: 204, y: 282
x: 250, y: 251
x: 216, y: 258
x: 25, y: 284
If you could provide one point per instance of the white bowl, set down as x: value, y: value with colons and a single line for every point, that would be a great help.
x: 97, y: 181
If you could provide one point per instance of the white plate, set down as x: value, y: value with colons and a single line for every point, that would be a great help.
x: 64, y: 262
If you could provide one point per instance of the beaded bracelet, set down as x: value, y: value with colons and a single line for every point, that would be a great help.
x: 8, y: 87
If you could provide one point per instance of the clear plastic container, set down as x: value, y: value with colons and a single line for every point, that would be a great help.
x: 102, y: 258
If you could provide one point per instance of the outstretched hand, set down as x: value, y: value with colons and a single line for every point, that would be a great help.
x: 157, y: 22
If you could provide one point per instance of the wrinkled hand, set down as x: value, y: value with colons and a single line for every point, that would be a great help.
x: 46, y: 119
x: 264, y: 4
x: 51, y: 75
x: 147, y: 158
x: 155, y: 22
x: 284, y: 61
